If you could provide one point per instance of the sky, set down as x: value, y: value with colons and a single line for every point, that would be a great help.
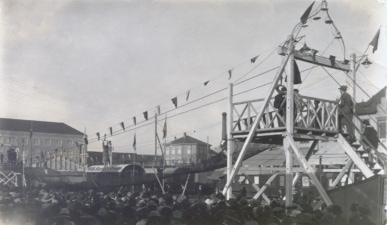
x: 93, y: 64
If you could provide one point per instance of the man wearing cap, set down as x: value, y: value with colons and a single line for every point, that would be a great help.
x: 369, y: 140
x: 346, y: 112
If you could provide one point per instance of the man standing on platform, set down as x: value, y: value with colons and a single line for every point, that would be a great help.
x: 369, y: 140
x: 346, y: 113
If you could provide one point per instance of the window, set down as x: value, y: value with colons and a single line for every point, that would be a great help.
x: 382, y: 128
x: 189, y: 148
x: 12, y: 140
x: 6, y: 140
x: 172, y: 150
x: 36, y: 141
x: 70, y: 143
x: 178, y: 150
x: 59, y: 143
x: 47, y: 142
x: 167, y: 151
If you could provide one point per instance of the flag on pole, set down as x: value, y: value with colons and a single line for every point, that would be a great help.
x: 123, y: 126
x: 134, y: 142
x: 305, y: 16
x: 85, y: 140
x: 161, y: 147
x: 252, y: 60
x: 205, y: 83
x: 174, y: 101
x: 187, y: 95
x: 229, y: 74
x: 145, y: 115
x: 31, y: 132
x: 158, y: 109
x: 375, y: 41
x: 134, y: 120
x: 111, y: 131
x: 165, y: 129
x: 297, y: 74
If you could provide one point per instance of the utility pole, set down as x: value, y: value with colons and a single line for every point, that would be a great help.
x: 230, y: 142
x: 155, y: 138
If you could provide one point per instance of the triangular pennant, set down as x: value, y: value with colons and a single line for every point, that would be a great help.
x: 205, y: 83
x: 174, y: 101
x: 187, y: 95
x: 375, y: 41
x: 305, y: 16
x: 252, y: 60
x: 123, y: 126
x: 229, y: 74
x: 134, y: 121
x: 145, y: 115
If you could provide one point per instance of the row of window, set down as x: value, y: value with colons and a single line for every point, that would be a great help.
x: 36, y: 141
x: 185, y: 150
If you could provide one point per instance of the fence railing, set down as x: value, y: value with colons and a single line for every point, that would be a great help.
x: 309, y: 113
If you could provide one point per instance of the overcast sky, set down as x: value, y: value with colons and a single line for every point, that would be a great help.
x: 94, y: 64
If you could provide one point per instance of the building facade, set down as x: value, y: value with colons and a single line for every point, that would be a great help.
x: 186, y: 150
x: 44, y: 144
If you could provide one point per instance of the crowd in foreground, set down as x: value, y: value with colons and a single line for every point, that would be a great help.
x: 49, y: 206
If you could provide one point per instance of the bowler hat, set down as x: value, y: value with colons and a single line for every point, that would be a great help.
x: 343, y: 87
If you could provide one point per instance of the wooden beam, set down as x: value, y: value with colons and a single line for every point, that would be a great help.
x: 317, y: 60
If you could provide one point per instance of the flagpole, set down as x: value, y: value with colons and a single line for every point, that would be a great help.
x: 155, y: 138
x: 31, y: 145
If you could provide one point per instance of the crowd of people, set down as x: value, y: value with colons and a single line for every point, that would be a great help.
x: 121, y: 206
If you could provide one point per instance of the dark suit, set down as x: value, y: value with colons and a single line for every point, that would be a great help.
x: 346, y: 114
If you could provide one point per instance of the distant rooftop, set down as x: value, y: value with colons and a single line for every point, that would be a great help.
x: 188, y: 140
x: 37, y: 126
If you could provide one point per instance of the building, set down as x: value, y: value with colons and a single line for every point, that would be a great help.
x: 95, y: 158
x: 375, y: 110
x: 54, y: 145
x: 187, y: 150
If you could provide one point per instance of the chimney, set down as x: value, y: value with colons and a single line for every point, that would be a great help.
x: 223, y: 144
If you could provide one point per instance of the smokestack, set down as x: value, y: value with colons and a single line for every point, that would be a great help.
x: 223, y: 144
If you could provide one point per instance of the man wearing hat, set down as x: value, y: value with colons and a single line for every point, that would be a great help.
x: 346, y: 112
x: 369, y: 140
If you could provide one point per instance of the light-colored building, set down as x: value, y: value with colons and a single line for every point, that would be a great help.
x: 54, y: 145
x: 187, y: 150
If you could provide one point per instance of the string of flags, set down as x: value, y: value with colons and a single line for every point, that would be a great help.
x: 174, y: 102
x: 297, y: 80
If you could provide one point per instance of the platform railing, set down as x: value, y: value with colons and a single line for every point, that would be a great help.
x: 317, y: 114
x: 312, y: 114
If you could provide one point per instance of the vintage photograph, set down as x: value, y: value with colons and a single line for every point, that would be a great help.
x: 193, y: 112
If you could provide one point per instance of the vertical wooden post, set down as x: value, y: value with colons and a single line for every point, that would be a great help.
x: 353, y: 69
x: 289, y: 127
x: 230, y: 142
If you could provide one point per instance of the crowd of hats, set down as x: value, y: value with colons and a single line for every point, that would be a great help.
x: 46, y: 205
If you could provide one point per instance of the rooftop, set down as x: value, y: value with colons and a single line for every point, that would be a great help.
x: 37, y: 126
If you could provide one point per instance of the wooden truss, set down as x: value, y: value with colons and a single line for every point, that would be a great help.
x: 316, y: 119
